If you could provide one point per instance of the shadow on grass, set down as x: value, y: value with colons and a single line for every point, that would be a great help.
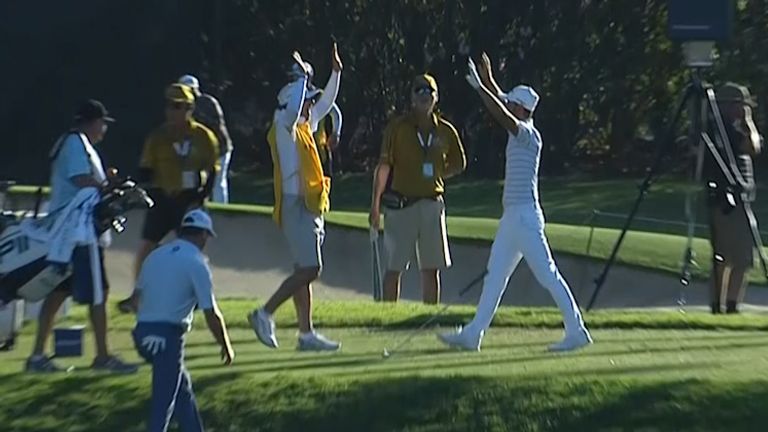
x: 233, y: 401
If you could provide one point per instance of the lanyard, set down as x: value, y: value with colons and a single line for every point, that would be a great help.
x: 428, y: 144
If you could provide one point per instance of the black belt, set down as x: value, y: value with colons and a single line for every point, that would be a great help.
x: 395, y: 200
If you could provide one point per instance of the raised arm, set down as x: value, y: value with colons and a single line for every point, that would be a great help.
x: 291, y: 97
x: 486, y: 76
x: 492, y: 102
x: 291, y: 100
x: 328, y: 99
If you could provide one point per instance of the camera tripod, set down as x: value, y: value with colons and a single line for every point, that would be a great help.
x: 699, y: 98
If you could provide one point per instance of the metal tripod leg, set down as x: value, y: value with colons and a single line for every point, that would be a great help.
x: 664, y: 146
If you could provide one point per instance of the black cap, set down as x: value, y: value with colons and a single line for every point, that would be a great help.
x: 91, y: 110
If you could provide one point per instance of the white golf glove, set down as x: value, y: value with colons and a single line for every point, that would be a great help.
x: 473, y: 77
x: 153, y: 344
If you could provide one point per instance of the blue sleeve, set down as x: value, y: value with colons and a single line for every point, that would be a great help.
x: 74, y: 158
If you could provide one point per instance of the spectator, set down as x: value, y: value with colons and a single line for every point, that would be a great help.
x: 420, y: 150
x: 208, y: 112
x: 179, y: 162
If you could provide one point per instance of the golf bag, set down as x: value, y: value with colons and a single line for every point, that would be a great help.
x: 25, y: 271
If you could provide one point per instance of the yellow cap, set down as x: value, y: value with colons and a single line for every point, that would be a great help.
x: 180, y: 93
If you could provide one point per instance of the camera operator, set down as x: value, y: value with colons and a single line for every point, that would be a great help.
x: 730, y: 231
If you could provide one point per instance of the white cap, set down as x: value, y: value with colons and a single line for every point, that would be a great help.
x: 191, y: 81
x: 524, y: 96
x: 198, y: 219
x: 296, y: 71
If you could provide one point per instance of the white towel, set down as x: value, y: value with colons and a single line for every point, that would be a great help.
x: 73, y: 226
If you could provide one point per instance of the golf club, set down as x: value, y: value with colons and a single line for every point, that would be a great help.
x: 387, y: 353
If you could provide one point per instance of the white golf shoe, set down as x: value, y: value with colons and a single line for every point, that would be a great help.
x: 264, y: 326
x: 316, y: 342
x: 573, y: 341
x: 461, y: 340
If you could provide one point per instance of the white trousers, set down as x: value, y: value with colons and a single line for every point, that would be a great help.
x: 521, y: 235
x: 221, y: 185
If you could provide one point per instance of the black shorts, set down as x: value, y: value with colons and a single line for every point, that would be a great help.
x: 164, y: 217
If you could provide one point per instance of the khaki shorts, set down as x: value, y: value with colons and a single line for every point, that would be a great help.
x: 420, y: 229
x: 304, y: 231
x: 731, y: 236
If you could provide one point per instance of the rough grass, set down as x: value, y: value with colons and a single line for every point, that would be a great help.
x: 652, y: 371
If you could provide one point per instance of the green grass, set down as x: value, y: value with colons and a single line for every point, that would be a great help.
x: 474, y: 206
x: 647, y: 371
x: 566, y: 200
x: 357, y: 314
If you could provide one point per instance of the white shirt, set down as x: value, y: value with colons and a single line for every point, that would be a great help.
x: 288, y: 115
x: 74, y: 156
x: 521, y: 173
x: 173, y: 279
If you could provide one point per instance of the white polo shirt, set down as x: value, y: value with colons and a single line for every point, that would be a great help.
x: 521, y: 173
x: 173, y: 279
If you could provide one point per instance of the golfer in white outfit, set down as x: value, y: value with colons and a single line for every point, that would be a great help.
x: 521, y: 228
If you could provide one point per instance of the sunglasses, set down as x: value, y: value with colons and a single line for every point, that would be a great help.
x: 178, y: 105
x: 425, y: 90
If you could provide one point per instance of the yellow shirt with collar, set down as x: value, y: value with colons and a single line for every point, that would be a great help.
x: 164, y: 153
x: 403, y: 151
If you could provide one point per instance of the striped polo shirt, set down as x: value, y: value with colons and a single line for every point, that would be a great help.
x: 521, y: 184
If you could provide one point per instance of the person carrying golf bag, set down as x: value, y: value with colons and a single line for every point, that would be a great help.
x: 76, y: 169
x: 730, y: 231
x: 521, y: 228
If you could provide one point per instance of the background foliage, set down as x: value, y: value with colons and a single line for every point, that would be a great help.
x: 608, y: 74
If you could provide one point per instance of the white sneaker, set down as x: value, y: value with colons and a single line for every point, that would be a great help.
x: 460, y: 339
x: 264, y: 326
x: 316, y: 342
x: 573, y: 341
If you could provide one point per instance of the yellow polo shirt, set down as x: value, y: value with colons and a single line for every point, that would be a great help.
x: 418, y: 171
x: 172, y: 152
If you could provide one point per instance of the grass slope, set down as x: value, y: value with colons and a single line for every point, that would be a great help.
x: 647, y: 371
